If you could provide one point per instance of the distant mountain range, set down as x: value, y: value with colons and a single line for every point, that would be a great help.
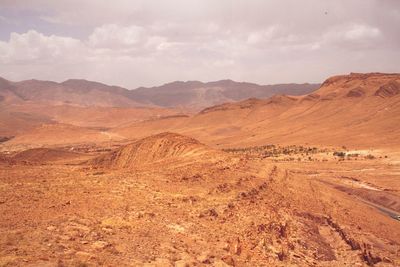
x: 73, y: 92
x: 355, y: 110
x: 199, y: 95
x: 191, y: 94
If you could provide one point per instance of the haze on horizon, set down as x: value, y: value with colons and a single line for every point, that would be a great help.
x: 149, y: 42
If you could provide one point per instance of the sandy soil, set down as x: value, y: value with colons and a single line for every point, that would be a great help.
x: 245, y: 210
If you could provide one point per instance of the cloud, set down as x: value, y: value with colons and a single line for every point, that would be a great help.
x: 4, y: 19
x: 360, y: 32
x: 352, y: 37
x: 113, y: 36
x: 148, y: 42
x: 262, y: 37
x: 34, y: 47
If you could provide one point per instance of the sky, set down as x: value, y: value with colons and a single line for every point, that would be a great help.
x: 134, y: 43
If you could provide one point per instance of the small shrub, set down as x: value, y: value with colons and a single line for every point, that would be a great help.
x: 369, y: 156
x: 339, y: 154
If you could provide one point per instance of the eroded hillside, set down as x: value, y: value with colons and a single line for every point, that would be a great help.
x: 359, y: 110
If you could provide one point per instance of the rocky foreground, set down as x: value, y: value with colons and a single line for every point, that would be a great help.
x: 168, y: 200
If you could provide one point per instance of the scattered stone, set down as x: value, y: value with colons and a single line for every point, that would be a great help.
x: 209, y: 213
x: 176, y: 227
x: 65, y: 237
x: 237, y: 248
x: 228, y: 260
x: 69, y: 252
x: 220, y: 263
x: 100, y: 245
x: 158, y: 262
x: 51, y: 228
x: 182, y: 263
x: 84, y: 256
x: 204, y: 258
x: 108, y: 230
x: 226, y: 246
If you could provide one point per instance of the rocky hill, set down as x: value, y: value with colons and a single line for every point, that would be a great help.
x: 163, y: 147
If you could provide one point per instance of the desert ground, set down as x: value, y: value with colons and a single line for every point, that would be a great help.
x: 309, y: 180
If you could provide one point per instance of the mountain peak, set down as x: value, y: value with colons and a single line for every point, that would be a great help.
x: 358, y: 85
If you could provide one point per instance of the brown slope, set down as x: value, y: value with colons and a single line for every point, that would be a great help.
x: 389, y: 89
x: 93, y: 116
x: 17, y: 117
x: 334, y: 118
x: 7, y: 95
x: 151, y: 127
x: 337, y: 114
x: 59, y: 134
x: 359, y: 84
x: 26, y: 121
x: 29, y: 104
x: 43, y: 155
x: 74, y: 92
x: 217, y: 124
x: 14, y: 122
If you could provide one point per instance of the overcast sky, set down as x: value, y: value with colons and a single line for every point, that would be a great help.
x: 150, y: 42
